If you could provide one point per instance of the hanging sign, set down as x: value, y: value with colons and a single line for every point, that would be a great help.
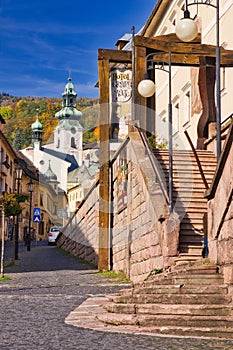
x: 121, y: 85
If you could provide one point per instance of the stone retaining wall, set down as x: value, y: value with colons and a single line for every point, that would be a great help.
x: 139, y: 237
x: 80, y: 236
x: 220, y: 213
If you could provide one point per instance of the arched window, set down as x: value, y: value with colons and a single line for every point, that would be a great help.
x: 72, y: 142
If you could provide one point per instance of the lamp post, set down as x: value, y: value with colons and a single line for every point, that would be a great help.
x: 18, y: 176
x: 186, y: 30
x: 146, y: 88
x: 30, y: 186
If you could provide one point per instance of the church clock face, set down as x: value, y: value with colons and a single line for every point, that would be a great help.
x: 73, y: 130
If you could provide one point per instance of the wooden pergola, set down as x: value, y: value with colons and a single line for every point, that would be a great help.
x: 192, y: 54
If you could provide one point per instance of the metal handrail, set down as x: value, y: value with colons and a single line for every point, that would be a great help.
x: 197, y: 160
x: 153, y: 163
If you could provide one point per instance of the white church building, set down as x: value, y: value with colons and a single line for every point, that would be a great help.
x: 65, y: 153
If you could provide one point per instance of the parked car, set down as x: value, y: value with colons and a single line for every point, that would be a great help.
x: 52, y: 234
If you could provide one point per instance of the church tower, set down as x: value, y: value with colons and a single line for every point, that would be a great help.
x: 68, y: 135
x: 37, y: 130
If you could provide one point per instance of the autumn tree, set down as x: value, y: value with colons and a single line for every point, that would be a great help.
x: 17, y: 141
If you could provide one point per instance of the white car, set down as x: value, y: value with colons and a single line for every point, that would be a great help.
x: 52, y: 234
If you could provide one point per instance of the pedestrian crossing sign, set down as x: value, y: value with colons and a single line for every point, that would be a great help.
x: 36, y: 215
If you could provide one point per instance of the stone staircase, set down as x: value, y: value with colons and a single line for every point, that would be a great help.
x: 188, y: 196
x: 191, y: 300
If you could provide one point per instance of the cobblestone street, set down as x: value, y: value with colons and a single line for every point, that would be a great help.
x: 46, y: 285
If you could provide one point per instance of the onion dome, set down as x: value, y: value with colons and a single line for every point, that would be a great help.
x: 37, y: 125
x: 69, y: 103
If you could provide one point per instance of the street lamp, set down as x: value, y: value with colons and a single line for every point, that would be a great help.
x: 186, y: 30
x: 18, y: 176
x: 146, y: 88
x: 30, y: 187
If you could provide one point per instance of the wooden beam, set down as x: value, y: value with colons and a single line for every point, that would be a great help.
x: 104, y: 220
x: 178, y: 59
x: 140, y: 102
x: 184, y: 53
x: 117, y: 56
x: 172, y: 38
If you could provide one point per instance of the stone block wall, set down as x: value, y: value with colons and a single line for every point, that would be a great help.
x: 80, y: 236
x: 138, y: 233
x: 139, y: 237
x: 220, y: 214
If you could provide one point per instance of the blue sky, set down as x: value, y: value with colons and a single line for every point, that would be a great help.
x: 41, y: 40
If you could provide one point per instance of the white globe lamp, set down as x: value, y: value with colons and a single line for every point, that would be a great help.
x: 186, y: 29
x: 146, y: 88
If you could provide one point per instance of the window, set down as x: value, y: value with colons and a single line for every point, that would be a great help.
x: 176, y: 119
x: 187, y: 107
x: 2, y: 155
x: 72, y: 142
x: 173, y: 18
x: 223, y: 70
x: 41, y: 199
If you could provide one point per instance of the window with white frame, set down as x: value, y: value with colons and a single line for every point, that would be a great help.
x: 173, y: 18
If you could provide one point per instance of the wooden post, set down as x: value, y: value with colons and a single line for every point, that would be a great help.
x: 3, y: 243
x: 103, y: 261
x: 140, y: 70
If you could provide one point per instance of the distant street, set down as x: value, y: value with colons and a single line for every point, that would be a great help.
x: 46, y: 285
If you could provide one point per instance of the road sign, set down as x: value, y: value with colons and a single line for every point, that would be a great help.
x: 36, y: 215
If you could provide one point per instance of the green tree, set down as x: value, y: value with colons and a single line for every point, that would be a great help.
x: 6, y: 112
x: 10, y: 204
x: 17, y: 141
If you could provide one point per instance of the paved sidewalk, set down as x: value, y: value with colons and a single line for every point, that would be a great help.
x: 51, y: 303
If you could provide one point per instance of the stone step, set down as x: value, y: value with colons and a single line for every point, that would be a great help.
x: 189, y: 204
x: 187, y: 279
x: 195, y: 218
x: 190, y: 237
x: 192, y: 170
x: 151, y: 288
x: 191, y: 210
x: 198, y: 279
x: 144, y: 298
x: 184, y: 173
x: 191, y: 248
x: 205, y: 156
x: 192, y: 227
x: 171, y: 309
x: 183, y: 259
x: 187, y: 185
x: 167, y: 321
x: 205, y: 159
x: 215, y: 332
x: 130, y: 321
x: 203, y: 268
x: 191, y: 321
x: 190, y: 196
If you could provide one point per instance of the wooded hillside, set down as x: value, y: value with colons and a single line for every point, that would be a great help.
x: 20, y: 113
